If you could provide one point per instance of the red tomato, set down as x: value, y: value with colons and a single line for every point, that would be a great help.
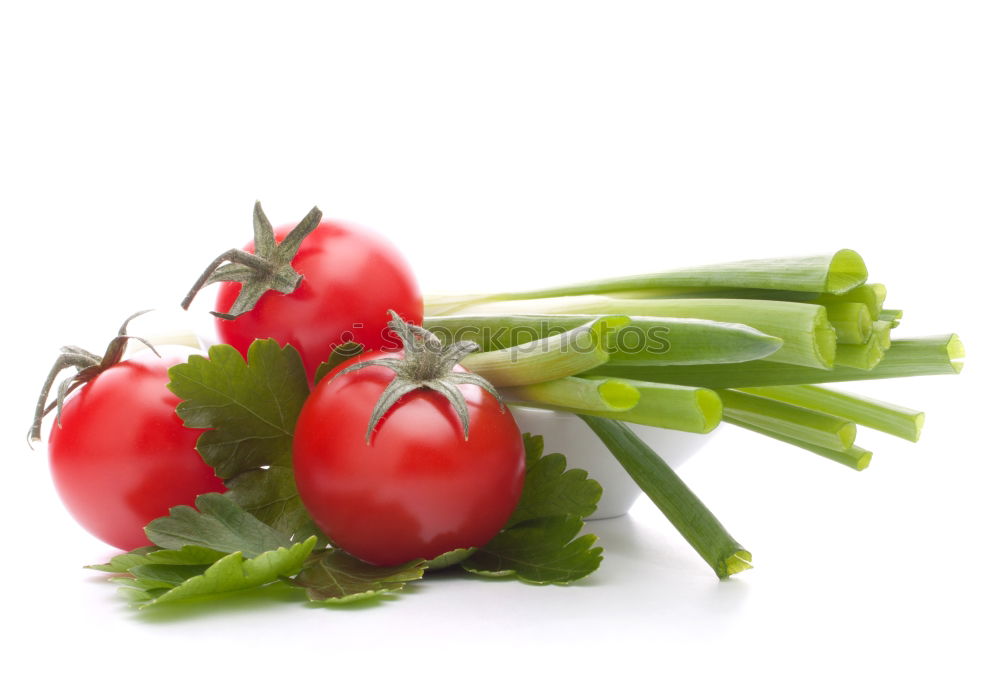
x: 351, y: 278
x: 420, y: 488
x: 122, y: 457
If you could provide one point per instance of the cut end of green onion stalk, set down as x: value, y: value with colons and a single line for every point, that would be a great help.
x: 736, y: 562
x: 863, y: 460
x: 956, y: 353
x: 825, y: 345
x: 918, y: 426
x: 847, y: 434
x: 602, y: 328
x: 710, y: 404
x: 619, y: 395
x: 847, y: 270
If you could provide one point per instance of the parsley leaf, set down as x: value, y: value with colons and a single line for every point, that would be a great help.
x: 551, y: 490
x: 340, y: 354
x: 334, y: 576
x: 151, y: 584
x: 215, y: 549
x: 538, y: 545
x: 541, y: 551
x: 250, y: 408
x: 219, y: 524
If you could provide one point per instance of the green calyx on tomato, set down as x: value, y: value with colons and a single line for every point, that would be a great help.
x: 440, y: 468
x: 269, y: 267
x: 315, y: 286
x: 426, y: 363
x: 119, y: 454
x: 88, y: 367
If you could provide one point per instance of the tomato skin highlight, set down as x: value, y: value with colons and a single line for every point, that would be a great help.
x: 351, y: 278
x: 419, y: 489
x: 122, y: 457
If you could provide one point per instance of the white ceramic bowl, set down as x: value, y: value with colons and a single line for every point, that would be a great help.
x: 567, y: 434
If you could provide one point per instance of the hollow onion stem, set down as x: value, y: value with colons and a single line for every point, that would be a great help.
x: 852, y: 322
x: 678, y: 407
x: 669, y: 493
x: 865, y: 356
x: 580, y: 394
x: 908, y: 357
x: 893, y: 316
x: 798, y: 423
x: 883, y: 416
x: 855, y: 457
x: 830, y: 273
x: 644, y: 340
x: 565, y: 354
x: 808, y: 337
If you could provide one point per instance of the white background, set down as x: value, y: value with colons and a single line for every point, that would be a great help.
x: 511, y: 144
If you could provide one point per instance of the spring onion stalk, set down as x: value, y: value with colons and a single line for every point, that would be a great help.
x: 804, y: 425
x: 893, y: 316
x: 694, y: 410
x: 907, y: 357
x: 564, y: 354
x: 809, y: 339
x: 881, y: 332
x: 871, y: 295
x: 831, y: 273
x: 682, y: 507
x: 580, y: 394
x: 852, y: 322
x: 858, y: 458
x: 864, y: 356
x: 645, y: 340
x: 882, y: 416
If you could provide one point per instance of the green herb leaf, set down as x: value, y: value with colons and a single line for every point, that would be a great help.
x: 451, y: 558
x: 538, y: 545
x: 220, y: 525
x: 335, y: 577
x: 340, y: 354
x: 160, y: 583
x: 123, y: 562
x: 233, y: 551
x: 251, y: 407
x: 551, y: 490
x: 271, y: 496
x: 542, y: 551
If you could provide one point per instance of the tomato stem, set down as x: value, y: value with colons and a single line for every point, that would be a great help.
x: 426, y: 363
x: 88, y: 367
x: 268, y: 267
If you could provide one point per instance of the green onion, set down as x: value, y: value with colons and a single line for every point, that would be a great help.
x: 864, y: 356
x: 587, y: 394
x: 881, y: 333
x: 831, y: 273
x: 809, y: 339
x: 882, y: 416
x: 871, y: 295
x: 893, y: 316
x: 856, y: 457
x: 669, y: 493
x: 909, y: 357
x: 852, y: 322
x: 804, y: 425
x: 678, y: 407
x: 645, y: 340
x: 564, y: 354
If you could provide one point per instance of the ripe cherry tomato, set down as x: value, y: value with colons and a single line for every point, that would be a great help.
x: 121, y: 457
x: 419, y: 489
x: 351, y: 278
